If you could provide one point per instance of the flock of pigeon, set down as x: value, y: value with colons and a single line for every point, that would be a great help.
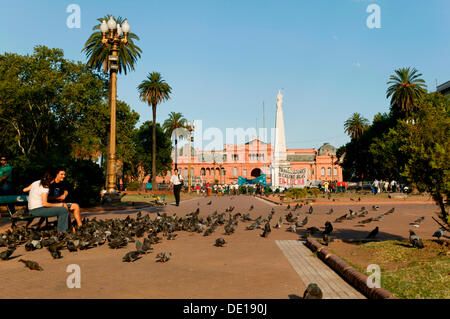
x: 144, y: 231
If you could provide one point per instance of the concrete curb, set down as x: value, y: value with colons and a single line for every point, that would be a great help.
x: 350, y: 274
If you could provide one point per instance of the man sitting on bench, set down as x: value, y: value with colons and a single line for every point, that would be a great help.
x: 58, y: 193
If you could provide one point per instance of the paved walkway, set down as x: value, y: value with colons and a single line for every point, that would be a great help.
x: 247, y: 267
x: 312, y: 270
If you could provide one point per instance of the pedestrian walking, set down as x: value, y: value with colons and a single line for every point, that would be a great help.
x: 177, y: 182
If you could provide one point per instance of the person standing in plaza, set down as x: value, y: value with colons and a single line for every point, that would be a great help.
x: 177, y: 181
x: 6, y: 187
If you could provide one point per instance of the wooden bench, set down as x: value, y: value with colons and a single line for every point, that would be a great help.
x: 21, y: 213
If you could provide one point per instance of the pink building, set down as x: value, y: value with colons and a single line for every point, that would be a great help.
x: 252, y: 159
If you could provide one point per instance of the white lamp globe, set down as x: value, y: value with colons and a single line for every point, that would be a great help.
x: 111, y: 24
x: 104, y: 27
x: 119, y: 30
x: 125, y: 26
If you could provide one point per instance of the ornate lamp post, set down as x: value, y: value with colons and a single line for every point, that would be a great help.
x: 190, y: 128
x: 115, y: 36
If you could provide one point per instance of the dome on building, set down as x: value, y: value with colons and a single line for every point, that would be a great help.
x: 327, y: 148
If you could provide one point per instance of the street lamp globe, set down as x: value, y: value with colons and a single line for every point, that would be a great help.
x: 125, y: 27
x: 119, y: 30
x: 111, y: 24
x: 104, y: 27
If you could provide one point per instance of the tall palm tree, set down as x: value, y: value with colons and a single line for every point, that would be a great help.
x: 356, y: 125
x: 153, y: 91
x: 97, y: 53
x: 406, y: 87
x: 175, y: 124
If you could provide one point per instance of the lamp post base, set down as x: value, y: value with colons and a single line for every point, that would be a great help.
x: 112, y: 197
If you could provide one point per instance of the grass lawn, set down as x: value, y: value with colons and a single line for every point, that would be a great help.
x: 405, y: 271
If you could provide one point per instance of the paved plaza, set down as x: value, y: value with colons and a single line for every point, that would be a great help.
x: 248, y: 266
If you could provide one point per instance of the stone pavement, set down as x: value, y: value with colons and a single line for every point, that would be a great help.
x: 249, y: 266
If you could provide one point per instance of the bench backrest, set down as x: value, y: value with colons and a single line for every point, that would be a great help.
x: 13, y: 199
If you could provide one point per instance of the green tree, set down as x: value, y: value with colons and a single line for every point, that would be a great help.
x: 98, y: 53
x: 406, y: 88
x: 154, y: 90
x: 426, y: 141
x: 43, y: 97
x: 356, y: 125
x: 174, y: 125
x: 144, y: 158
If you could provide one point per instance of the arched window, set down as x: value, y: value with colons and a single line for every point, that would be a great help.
x: 192, y: 171
x: 322, y: 171
x: 235, y: 171
x: 335, y: 171
x: 212, y: 171
x: 185, y: 172
x: 202, y: 172
x: 244, y: 173
x: 329, y: 171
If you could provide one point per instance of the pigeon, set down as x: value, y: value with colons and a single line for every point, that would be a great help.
x: 363, y: 214
x: 340, y: 219
x: 267, y: 230
x: 280, y: 222
x: 209, y: 203
x: 131, y: 256
x: 366, y: 221
x: 328, y: 228
x: 415, y: 240
x: 171, y: 236
x: 331, y: 211
x: 289, y: 217
x: 390, y: 211
x: 71, y: 246
x: 220, y: 242
x: 288, y: 207
x: 310, y: 211
x: 373, y: 233
x: 163, y: 257
x: 146, y: 246
x: 292, y: 228
x: 375, y: 207
x: 302, y: 223
x: 251, y: 207
x: 312, y: 292
x: 32, y: 265
x: 4, y: 255
x: 55, y: 252
x: 438, y: 234
x: 419, y: 220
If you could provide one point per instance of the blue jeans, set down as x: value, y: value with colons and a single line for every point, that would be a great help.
x: 61, y: 212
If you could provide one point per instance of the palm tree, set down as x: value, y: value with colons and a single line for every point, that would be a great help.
x: 406, y: 87
x: 173, y: 124
x: 98, y: 53
x: 153, y: 91
x: 356, y: 125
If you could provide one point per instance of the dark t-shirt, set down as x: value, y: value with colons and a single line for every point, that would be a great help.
x: 57, y: 189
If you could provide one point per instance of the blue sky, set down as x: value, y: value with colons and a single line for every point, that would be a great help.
x: 224, y: 58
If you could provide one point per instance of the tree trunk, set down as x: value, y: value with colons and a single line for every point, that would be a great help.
x: 440, y: 200
x: 154, y: 148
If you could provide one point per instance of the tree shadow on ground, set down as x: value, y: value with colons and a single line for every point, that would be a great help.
x: 293, y: 296
x: 354, y: 235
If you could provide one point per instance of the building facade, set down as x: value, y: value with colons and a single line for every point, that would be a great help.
x: 252, y: 159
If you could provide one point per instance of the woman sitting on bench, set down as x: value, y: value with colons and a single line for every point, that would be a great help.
x: 38, y: 205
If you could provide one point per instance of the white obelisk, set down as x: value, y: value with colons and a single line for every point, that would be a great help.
x: 280, y: 154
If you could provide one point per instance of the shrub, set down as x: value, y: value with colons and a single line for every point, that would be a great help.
x: 134, y: 186
x: 84, y: 178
